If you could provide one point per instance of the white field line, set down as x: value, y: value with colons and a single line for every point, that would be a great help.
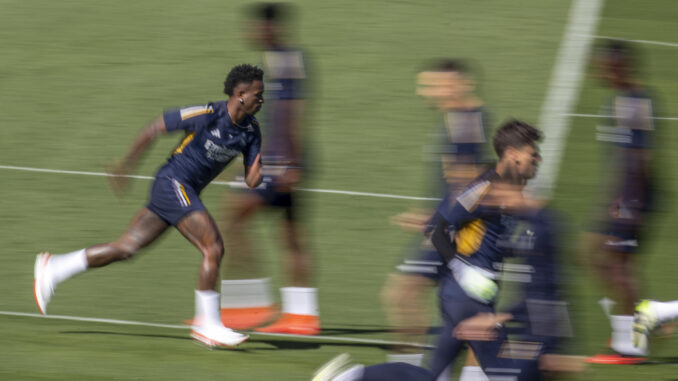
x: 338, y: 339
x: 232, y: 184
x: 648, y: 42
x: 607, y: 116
x: 563, y: 91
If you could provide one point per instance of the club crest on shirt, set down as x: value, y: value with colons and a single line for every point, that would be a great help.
x: 219, y: 153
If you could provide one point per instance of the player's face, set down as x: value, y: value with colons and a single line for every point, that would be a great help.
x: 253, y: 97
x: 612, y: 71
x: 443, y: 87
x: 261, y: 34
x: 527, y: 161
x: 523, y: 161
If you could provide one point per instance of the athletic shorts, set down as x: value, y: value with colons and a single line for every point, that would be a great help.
x: 172, y: 200
x: 623, y: 237
x: 274, y: 198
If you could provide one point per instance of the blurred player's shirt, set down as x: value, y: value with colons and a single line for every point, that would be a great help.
x: 459, y: 149
x: 541, y: 315
x: 212, y: 141
x: 285, y: 79
x: 629, y: 133
x: 478, y: 232
x: 455, y: 156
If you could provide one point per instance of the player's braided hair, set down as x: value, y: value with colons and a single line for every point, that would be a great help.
x: 514, y: 133
x: 242, y: 74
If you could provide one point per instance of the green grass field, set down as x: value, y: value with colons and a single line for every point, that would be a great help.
x: 80, y: 78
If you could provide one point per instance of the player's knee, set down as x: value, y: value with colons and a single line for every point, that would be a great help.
x: 214, y: 251
x: 126, y: 251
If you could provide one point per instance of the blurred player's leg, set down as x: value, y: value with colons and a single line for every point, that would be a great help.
x: 201, y: 230
x: 300, y: 302
x: 50, y: 270
x: 472, y: 371
x: 246, y: 300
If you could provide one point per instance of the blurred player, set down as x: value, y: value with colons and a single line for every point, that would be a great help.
x: 215, y: 133
x: 488, y: 221
x: 630, y: 191
x: 449, y: 86
x: 284, y: 158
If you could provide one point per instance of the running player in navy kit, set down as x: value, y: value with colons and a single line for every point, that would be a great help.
x: 629, y: 140
x: 458, y: 155
x: 284, y: 154
x: 215, y: 134
x: 470, y: 235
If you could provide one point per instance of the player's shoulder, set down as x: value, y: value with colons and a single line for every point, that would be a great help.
x: 212, y: 109
x: 285, y: 63
x: 474, y: 192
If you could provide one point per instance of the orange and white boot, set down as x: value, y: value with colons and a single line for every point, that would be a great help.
x: 299, y: 315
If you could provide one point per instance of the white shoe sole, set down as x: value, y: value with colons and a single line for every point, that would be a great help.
x: 212, y: 343
x: 38, y: 275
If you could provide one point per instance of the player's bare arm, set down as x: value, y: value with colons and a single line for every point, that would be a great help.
x: 253, y: 173
x: 121, y: 168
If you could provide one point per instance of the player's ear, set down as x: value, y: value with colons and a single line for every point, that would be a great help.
x: 511, y: 154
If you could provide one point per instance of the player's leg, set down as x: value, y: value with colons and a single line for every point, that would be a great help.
x: 201, y: 230
x: 50, y: 270
x: 623, y: 280
x: 622, y: 273
x: 243, y: 274
x: 145, y: 228
x: 300, y: 300
x: 238, y: 209
x: 403, y: 296
x: 472, y: 371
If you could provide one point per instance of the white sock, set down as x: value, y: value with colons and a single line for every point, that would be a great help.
x: 415, y: 359
x: 621, y: 336
x: 246, y: 293
x: 300, y: 300
x: 665, y: 310
x: 65, y: 266
x: 472, y: 373
x: 207, y: 307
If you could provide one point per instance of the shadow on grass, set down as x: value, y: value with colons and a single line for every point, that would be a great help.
x: 275, y: 343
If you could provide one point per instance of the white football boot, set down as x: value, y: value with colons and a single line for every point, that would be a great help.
x: 214, y: 335
x: 43, y: 285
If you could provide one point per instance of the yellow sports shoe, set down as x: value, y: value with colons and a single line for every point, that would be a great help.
x: 332, y: 368
x: 644, y: 322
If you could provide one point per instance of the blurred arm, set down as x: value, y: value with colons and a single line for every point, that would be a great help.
x: 121, y: 168
x: 253, y: 173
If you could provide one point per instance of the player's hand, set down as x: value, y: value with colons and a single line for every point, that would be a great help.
x: 288, y: 180
x: 413, y: 220
x: 118, y: 174
x: 482, y: 327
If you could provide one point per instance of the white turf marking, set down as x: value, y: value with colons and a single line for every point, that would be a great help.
x: 341, y: 339
x: 232, y: 184
x: 563, y: 90
x: 648, y: 42
x: 607, y: 116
